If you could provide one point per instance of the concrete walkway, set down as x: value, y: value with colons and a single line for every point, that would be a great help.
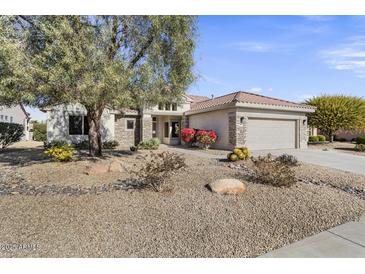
x: 333, y: 159
x: 344, y: 241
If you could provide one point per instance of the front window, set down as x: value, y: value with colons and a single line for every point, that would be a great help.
x: 11, y: 119
x: 160, y: 106
x: 174, y: 107
x: 130, y: 124
x: 75, y: 125
x: 175, y: 129
x: 166, y: 129
x: 168, y: 107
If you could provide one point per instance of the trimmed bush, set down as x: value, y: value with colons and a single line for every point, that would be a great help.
x: 206, y: 137
x: 321, y: 138
x: 239, y: 154
x: 40, y: 132
x: 287, y: 159
x: 61, y: 153
x: 188, y: 135
x: 110, y: 144
x: 313, y: 139
x: 151, y: 144
x: 55, y: 143
x: 360, y: 140
x: 360, y: 147
x: 10, y: 133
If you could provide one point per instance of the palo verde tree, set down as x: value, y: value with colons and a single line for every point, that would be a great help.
x: 337, y: 112
x: 107, y: 61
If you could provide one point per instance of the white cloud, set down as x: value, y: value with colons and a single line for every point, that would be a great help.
x: 305, y: 96
x: 349, y: 55
x: 252, y: 46
x: 256, y: 90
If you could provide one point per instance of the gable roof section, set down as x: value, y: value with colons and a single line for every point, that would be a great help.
x: 198, y: 98
x: 244, y: 97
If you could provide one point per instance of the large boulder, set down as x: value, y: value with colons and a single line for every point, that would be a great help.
x: 228, y: 186
x: 97, y: 168
x: 115, y: 166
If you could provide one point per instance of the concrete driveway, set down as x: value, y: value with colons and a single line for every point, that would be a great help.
x: 333, y: 159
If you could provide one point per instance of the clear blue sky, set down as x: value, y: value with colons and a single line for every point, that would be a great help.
x: 289, y: 57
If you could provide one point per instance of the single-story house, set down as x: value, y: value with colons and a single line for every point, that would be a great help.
x: 17, y: 114
x: 239, y: 118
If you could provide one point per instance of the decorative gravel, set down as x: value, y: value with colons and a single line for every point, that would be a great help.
x: 189, y: 221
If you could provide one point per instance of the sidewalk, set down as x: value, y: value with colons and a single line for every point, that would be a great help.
x: 343, y: 241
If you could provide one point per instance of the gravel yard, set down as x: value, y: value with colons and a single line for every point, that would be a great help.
x: 189, y: 221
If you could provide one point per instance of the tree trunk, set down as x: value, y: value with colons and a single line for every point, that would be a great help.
x: 94, y: 120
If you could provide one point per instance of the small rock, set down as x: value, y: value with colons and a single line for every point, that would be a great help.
x: 228, y: 186
x: 14, y: 193
x: 97, y: 169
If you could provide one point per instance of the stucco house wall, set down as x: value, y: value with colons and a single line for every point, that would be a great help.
x: 214, y: 120
x: 58, y: 123
x: 15, y: 114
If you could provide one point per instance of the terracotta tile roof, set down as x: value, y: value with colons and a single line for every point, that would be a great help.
x: 198, y: 98
x: 244, y: 97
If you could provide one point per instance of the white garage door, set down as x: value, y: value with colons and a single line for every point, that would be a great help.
x: 270, y: 134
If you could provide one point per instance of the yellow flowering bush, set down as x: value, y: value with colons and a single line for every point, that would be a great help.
x: 61, y: 153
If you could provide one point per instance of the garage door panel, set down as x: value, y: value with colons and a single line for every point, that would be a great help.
x: 270, y: 133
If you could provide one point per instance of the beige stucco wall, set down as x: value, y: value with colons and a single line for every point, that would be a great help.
x: 214, y: 120
x: 58, y: 121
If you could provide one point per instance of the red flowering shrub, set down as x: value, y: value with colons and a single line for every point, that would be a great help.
x: 206, y: 137
x: 188, y: 134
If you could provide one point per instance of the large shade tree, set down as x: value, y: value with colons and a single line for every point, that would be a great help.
x: 334, y: 112
x: 106, y: 61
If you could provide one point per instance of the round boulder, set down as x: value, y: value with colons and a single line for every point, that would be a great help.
x: 227, y: 186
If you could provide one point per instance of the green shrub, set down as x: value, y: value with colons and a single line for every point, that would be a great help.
x: 61, y: 153
x: 40, y: 132
x: 239, y: 154
x: 55, y: 143
x: 110, y: 144
x: 10, y: 133
x: 360, y: 147
x: 287, y: 159
x: 321, y: 138
x: 153, y: 143
x: 81, y: 145
x: 340, y: 139
x: 268, y: 170
x: 313, y: 139
x: 360, y: 140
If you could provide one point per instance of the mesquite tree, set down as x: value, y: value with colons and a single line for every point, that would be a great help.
x: 337, y: 112
x: 107, y: 61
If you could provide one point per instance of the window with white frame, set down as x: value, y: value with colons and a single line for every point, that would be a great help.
x: 78, y: 125
x: 130, y: 123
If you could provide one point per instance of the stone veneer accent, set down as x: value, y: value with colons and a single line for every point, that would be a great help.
x: 236, y: 129
x: 122, y: 135
x: 146, y: 126
x: 185, y: 122
x: 303, y: 133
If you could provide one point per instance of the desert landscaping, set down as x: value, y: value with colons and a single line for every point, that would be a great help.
x: 61, y: 211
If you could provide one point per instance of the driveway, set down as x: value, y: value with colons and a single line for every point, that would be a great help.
x: 344, y: 241
x: 333, y: 159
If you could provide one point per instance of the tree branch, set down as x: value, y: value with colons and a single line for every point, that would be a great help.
x: 142, y: 52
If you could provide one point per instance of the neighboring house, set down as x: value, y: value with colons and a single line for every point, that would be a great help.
x: 239, y: 118
x: 348, y: 135
x: 16, y: 114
